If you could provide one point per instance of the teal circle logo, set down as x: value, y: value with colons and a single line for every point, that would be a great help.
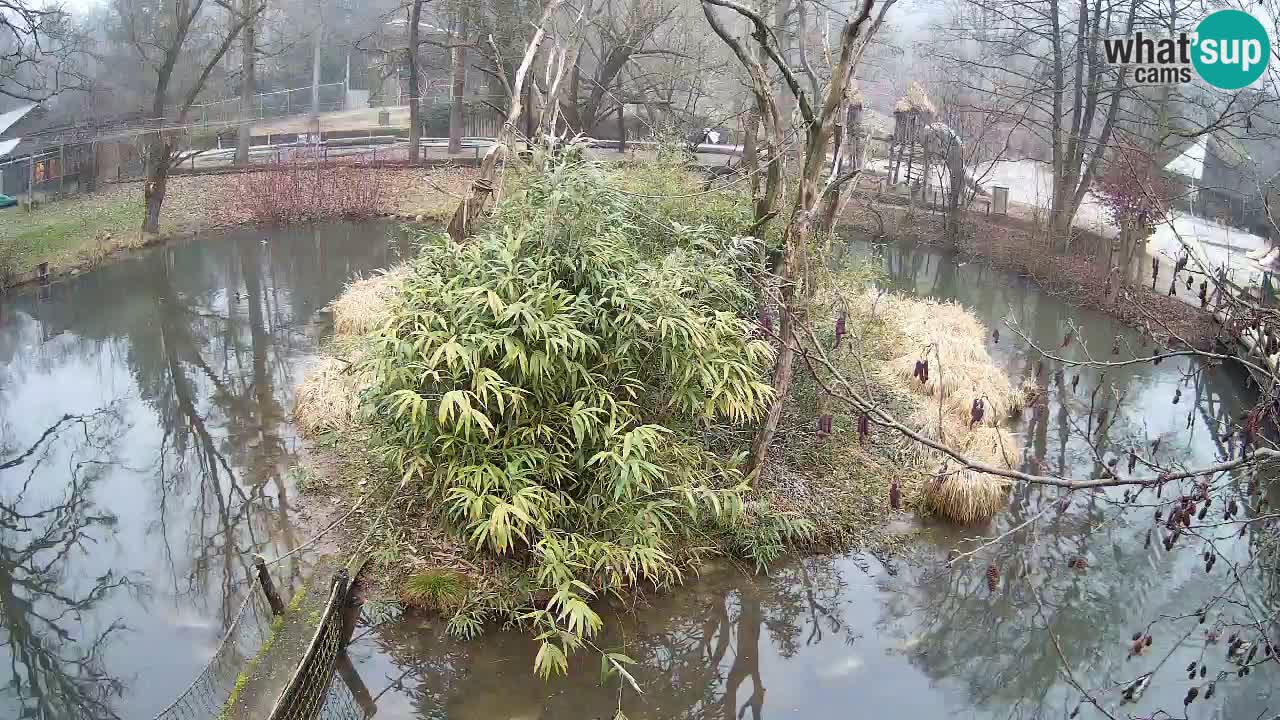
x: 1231, y: 49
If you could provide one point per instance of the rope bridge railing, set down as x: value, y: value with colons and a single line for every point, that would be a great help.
x: 311, y: 693
x: 206, y: 696
x: 308, y: 689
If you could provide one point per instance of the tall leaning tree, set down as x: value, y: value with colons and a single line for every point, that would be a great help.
x: 180, y: 43
x: 820, y: 102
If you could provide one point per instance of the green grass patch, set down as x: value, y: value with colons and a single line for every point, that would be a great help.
x: 298, y: 597
x: 72, y: 232
x: 435, y: 590
x: 277, y: 624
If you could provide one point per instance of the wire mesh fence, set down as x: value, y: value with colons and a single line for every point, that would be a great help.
x: 315, y: 690
x: 311, y: 692
x: 207, y: 695
x: 281, y: 103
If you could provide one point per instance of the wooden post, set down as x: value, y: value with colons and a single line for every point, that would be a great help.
x: 528, y: 117
x: 909, y: 147
x: 622, y: 125
x: 62, y: 169
x: 268, y: 588
x: 351, y: 603
x: 31, y: 183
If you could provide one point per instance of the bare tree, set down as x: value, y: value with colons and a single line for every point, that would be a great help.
x: 458, y: 83
x: 185, y: 41
x: 248, y: 81
x: 484, y: 188
x: 411, y: 60
x: 40, y: 52
x: 819, y: 121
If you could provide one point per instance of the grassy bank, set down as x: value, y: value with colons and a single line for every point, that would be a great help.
x: 72, y: 233
x: 556, y: 411
x: 79, y: 232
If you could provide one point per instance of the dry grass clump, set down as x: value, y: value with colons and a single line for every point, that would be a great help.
x: 966, y: 497
x: 366, y: 303
x: 328, y: 398
x: 961, y: 371
x: 963, y: 495
x: 953, y: 342
x: 841, y: 483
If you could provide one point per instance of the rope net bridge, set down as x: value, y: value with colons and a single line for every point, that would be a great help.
x: 277, y: 662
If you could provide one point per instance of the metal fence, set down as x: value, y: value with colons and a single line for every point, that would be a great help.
x: 309, y: 689
x: 281, y: 103
x: 207, y: 695
x: 311, y: 692
x: 52, y: 172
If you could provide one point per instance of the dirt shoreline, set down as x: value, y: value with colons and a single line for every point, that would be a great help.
x: 107, y: 221
x: 1077, y: 277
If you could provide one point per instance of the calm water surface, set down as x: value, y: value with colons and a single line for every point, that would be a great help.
x: 848, y: 637
x: 144, y: 447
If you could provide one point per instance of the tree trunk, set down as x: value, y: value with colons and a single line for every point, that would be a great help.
x: 157, y: 177
x: 459, y: 88
x: 315, y: 79
x: 411, y: 57
x: 750, y: 157
x: 955, y: 190
x: 484, y: 189
x: 248, y: 85
x: 795, y: 244
x: 857, y: 136
x: 795, y: 240
x: 1115, y: 264
x: 850, y: 146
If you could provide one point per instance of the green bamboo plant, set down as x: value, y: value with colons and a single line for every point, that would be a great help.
x: 547, y: 384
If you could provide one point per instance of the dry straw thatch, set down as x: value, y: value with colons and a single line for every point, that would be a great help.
x: 365, y: 304
x: 328, y: 397
x: 953, y: 341
x: 915, y: 100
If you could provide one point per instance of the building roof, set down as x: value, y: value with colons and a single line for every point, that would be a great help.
x: 7, y: 119
x: 1190, y: 163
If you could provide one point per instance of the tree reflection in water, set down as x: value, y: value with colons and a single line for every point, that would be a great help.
x: 54, y: 658
x: 698, y: 653
x: 202, y: 341
x: 937, y: 642
x: 1001, y: 644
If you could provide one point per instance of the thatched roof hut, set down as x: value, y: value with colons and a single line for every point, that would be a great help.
x: 916, y: 100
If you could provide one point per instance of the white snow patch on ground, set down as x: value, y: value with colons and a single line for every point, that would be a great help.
x: 1211, y: 246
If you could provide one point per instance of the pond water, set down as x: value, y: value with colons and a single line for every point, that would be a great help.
x: 144, y: 447
x: 838, y: 637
